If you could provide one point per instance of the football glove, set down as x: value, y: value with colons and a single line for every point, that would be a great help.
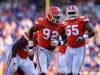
x: 79, y: 39
x: 54, y: 43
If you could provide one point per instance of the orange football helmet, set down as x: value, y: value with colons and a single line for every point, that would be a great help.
x: 54, y: 14
x: 72, y: 12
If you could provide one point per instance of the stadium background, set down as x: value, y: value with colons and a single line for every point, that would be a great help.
x: 17, y: 16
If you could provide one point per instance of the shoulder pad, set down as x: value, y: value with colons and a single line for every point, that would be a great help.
x: 84, y: 18
x: 38, y: 21
x: 66, y: 19
x: 81, y: 17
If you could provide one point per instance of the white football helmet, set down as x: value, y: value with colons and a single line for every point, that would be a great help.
x: 72, y: 12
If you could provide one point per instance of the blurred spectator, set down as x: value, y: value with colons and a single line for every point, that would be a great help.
x: 97, y: 36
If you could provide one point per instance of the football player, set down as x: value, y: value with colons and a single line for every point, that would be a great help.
x: 47, y: 31
x: 78, y: 29
x: 20, y: 57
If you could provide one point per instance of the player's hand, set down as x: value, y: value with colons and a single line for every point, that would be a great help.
x: 13, y: 64
x: 30, y: 52
x: 79, y: 39
x: 14, y: 60
x: 54, y: 43
x: 30, y: 44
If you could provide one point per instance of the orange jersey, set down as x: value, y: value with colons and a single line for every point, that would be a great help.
x: 62, y: 49
x: 47, y: 32
x: 74, y: 29
x: 23, y: 52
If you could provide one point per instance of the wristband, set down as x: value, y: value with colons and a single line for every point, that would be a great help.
x: 85, y: 36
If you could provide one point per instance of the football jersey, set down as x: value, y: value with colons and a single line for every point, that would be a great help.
x: 23, y: 52
x: 47, y: 32
x: 74, y: 29
x: 61, y: 49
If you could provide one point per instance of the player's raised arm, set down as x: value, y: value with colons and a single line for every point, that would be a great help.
x: 31, y: 31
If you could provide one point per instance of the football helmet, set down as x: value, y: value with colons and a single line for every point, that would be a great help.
x: 54, y: 14
x: 72, y: 12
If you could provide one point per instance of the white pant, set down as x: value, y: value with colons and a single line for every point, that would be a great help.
x: 44, y: 57
x: 62, y: 63
x: 25, y: 64
x: 74, y: 59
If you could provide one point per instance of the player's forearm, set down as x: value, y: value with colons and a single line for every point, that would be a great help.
x: 91, y: 34
x: 31, y: 31
x: 90, y: 30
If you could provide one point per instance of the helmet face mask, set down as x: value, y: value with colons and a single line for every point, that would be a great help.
x: 72, y: 12
x: 54, y: 15
x: 56, y: 18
